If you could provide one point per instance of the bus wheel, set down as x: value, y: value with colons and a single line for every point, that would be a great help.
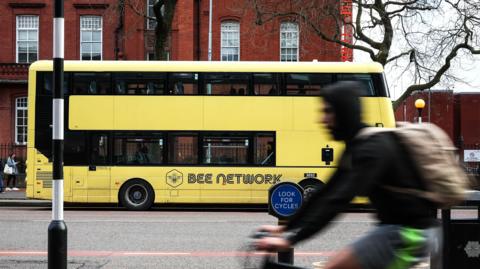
x: 137, y: 194
x: 309, y: 186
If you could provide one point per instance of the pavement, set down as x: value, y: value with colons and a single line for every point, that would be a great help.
x: 18, y: 198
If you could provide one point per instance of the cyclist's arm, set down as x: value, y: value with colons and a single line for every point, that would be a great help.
x: 367, y: 166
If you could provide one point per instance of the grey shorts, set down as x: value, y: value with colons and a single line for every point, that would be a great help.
x: 395, y: 247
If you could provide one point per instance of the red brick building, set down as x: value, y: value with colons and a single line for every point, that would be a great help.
x: 457, y: 113
x: 101, y: 30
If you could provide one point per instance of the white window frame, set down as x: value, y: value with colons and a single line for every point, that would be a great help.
x: 91, y: 30
x: 229, y: 40
x: 21, y: 104
x: 289, y: 40
x: 27, y: 23
x: 151, y: 24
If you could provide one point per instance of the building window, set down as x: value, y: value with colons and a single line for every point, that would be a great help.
x: 91, y: 37
x: 230, y: 41
x: 27, y: 39
x: 289, y: 42
x: 151, y: 23
x: 21, y: 116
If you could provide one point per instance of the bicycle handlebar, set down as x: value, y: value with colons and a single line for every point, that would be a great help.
x: 268, y: 262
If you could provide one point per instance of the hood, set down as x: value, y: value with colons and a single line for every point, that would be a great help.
x: 344, y: 98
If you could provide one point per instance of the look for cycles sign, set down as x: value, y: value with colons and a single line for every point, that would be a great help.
x: 284, y: 199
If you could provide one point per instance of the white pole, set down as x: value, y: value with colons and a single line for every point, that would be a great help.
x: 210, y: 31
x: 57, y: 230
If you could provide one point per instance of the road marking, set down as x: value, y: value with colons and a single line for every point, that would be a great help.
x: 89, y: 253
x: 26, y: 253
x: 155, y: 254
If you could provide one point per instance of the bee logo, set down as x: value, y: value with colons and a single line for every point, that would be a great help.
x: 174, y: 178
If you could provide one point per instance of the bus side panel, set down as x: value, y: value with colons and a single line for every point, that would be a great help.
x: 91, y: 113
x: 222, y: 184
x: 40, y: 175
x: 248, y: 113
x: 98, y: 185
x: 306, y: 114
x: 292, y: 174
x: 304, y: 148
x: 378, y: 110
x: 158, y: 113
x: 152, y: 175
x: 67, y: 184
x: 78, y: 176
x: 30, y: 171
x: 386, y: 109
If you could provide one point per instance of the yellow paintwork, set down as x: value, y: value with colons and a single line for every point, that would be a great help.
x: 214, y: 66
x: 299, y: 136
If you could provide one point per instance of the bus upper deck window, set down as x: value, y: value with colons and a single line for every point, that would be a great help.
x: 307, y: 84
x: 266, y: 84
x: 365, y: 79
x: 183, y: 83
x: 139, y: 83
x: 226, y: 84
x: 44, y: 80
x: 91, y: 83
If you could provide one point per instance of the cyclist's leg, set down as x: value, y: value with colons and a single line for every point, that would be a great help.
x: 386, y: 246
x: 345, y: 259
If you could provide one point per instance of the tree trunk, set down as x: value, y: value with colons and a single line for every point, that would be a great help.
x: 164, y: 13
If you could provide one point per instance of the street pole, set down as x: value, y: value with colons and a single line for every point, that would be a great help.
x: 210, y: 18
x: 210, y: 15
x: 419, y: 104
x: 285, y: 256
x: 57, y: 230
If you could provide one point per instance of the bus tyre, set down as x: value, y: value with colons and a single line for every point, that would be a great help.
x: 137, y: 194
x: 309, y: 186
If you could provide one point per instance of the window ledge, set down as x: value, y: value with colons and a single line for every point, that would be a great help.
x: 27, y: 5
x: 90, y: 6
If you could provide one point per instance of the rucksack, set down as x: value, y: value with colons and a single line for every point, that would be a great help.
x: 433, y: 155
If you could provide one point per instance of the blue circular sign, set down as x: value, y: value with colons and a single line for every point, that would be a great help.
x: 285, y: 198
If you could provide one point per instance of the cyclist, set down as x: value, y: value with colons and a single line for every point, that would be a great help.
x: 406, y: 223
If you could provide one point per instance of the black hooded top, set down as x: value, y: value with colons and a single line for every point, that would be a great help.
x: 365, y: 167
x: 344, y: 99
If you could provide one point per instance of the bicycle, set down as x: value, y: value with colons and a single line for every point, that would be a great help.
x: 268, y: 261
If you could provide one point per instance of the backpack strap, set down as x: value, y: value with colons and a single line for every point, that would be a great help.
x: 414, y: 192
x: 369, y: 131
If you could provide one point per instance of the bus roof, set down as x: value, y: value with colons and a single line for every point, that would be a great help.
x: 213, y: 66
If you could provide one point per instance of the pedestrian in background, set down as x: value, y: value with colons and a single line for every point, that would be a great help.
x: 2, y: 189
x: 11, y: 173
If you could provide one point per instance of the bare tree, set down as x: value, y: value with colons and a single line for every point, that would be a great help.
x: 419, y: 39
x: 164, y: 11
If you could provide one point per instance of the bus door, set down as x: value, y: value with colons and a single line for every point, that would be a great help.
x: 98, y: 182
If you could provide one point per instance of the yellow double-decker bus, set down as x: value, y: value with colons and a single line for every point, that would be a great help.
x: 139, y: 133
